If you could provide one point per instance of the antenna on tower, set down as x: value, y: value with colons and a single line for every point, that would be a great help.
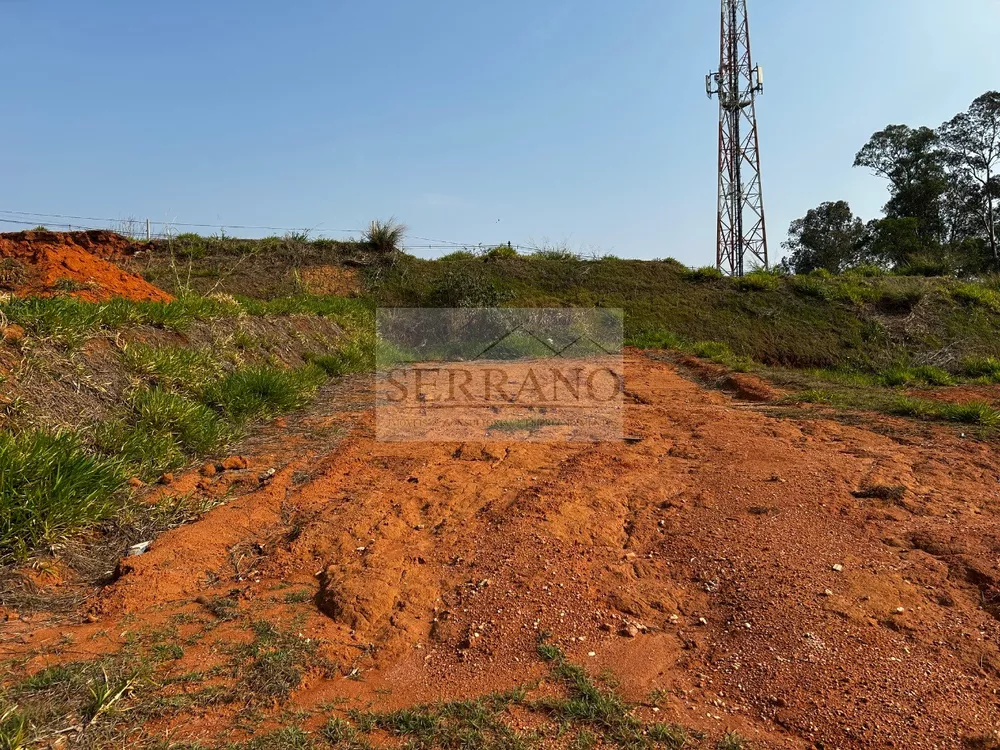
x: 742, y: 231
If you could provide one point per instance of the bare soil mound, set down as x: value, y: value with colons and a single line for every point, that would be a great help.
x: 80, y: 264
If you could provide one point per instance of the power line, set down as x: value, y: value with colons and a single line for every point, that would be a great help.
x: 432, y: 243
x: 172, y: 223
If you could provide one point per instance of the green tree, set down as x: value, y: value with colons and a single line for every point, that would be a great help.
x: 972, y: 152
x: 829, y: 236
x: 897, y: 242
x: 913, y: 162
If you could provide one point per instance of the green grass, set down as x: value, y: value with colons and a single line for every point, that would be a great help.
x: 69, y: 318
x: 976, y: 295
x: 984, y: 368
x: 50, y: 486
x: 161, y: 431
x: 171, y: 367
x: 262, y: 391
x: 72, y: 320
x: 972, y: 413
x: 353, y: 356
x: 599, y: 708
x: 54, y: 484
x: 758, y: 281
x: 908, y: 376
x: 706, y: 273
x: 271, y: 667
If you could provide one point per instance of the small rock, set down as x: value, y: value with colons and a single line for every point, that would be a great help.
x: 606, y: 627
x: 266, y: 476
x: 702, y: 621
x: 208, y: 470
x: 167, y: 478
x: 91, y: 618
x: 838, y: 568
x: 900, y: 610
x: 629, y: 631
x: 13, y: 334
x: 591, y: 654
x: 827, y: 592
x: 235, y: 463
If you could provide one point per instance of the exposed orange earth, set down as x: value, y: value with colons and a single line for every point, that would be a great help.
x: 81, y: 264
x: 723, y: 555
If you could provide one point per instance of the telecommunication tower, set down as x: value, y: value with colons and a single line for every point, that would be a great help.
x: 742, y: 232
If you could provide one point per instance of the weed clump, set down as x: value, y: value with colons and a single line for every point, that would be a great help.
x: 50, y: 485
x: 385, y: 238
x: 256, y: 392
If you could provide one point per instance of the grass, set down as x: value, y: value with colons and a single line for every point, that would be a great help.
x: 71, y: 320
x: 55, y: 484
x: 600, y: 709
x: 983, y: 368
x: 924, y: 375
x: 384, y: 237
x: 271, y: 667
x: 971, y: 413
x: 171, y: 367
x: 14, y: 729
x: 50, y: 486
x: 732, y: 741
x: 262, y: 391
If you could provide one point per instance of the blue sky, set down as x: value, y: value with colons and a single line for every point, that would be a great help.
x: 582, y: 121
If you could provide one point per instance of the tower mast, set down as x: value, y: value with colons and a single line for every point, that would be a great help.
x: 742, y: 231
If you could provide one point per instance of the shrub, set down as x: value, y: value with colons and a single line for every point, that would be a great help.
x: 757, y: 281
x: 500, y: 252
x: 384, y: 237
x: 865, y: 270
x: 555, y: 253
x: 923, y: 264
x: 810, y: 286
x: 49, y: 487
x: 707, y: 273
x: 463, y: 287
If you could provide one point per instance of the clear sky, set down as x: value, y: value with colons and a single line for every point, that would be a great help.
x: 582, y: 121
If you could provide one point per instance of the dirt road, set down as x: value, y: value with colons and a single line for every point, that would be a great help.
x: 722, y: 560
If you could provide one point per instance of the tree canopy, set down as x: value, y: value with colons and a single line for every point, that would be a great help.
x: 944, y: 201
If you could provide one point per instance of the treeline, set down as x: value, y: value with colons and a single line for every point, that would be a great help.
x: 943, y: 214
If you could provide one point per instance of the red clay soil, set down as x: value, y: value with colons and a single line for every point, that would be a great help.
x: 721, y: 555
x: 81, y: 264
